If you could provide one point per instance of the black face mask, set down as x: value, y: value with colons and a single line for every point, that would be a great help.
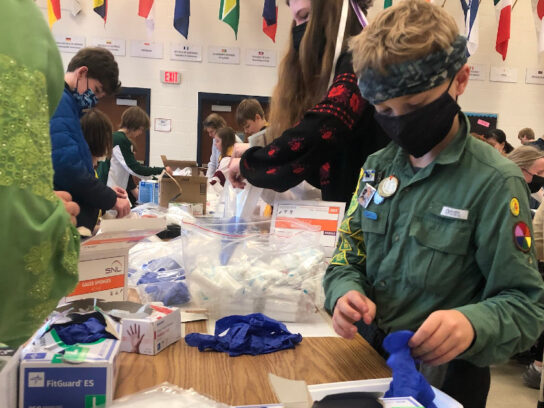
x: 536, y: 184
x: 419, y: 131
x: 298, y: 33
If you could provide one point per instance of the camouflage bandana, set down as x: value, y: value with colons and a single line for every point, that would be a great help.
x: 411, y: 77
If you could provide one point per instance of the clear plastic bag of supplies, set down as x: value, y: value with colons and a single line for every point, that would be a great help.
x: 155, y: 269
x: 166, y: 395
x: 236, y: 268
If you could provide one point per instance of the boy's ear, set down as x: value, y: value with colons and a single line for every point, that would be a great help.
x: 462, y: 78
x: 81, y: 72
x: 257, y: 117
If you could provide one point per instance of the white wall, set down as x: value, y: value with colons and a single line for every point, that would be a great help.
x: 179, y: 102
x: 518, y: 105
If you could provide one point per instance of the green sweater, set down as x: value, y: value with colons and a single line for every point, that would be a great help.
x: 445, y: 240
x: 39, y: 248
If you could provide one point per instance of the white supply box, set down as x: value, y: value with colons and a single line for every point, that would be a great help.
x: 103, y: 259
x: 152, y: 333
x: 82, y: 377
x: 9, y: 372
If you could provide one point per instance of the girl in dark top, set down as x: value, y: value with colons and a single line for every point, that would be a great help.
x: 497, y: 139
x: 335, y: 131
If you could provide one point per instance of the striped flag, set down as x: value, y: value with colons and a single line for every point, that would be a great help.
x: 472, y: 32
x: 229, y: 12
x: 146, y: 10
x: 270, y: 19
x: 53, y: 11
x: 182, y: 12
x: 100, y: 7
x: 387, y: 3
x: 538, y: 13
x: 503, y: 11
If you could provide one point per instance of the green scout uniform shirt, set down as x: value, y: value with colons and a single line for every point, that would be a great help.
x: 420, y: 259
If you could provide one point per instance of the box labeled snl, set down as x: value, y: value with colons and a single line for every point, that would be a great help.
x: 103, y: 259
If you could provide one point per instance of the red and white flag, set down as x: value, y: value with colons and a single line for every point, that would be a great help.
x: 538, y: 13
x: 503, y: 11
x: 147, y: 11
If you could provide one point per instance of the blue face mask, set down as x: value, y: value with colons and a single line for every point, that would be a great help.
x: 87, y: 99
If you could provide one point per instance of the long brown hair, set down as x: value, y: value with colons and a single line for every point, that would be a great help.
x: 303, y: 76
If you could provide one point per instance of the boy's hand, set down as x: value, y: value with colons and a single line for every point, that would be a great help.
x: 351, y: 308
x: 121, y: 192
x: 72, y: 208
x: 122, y: 206
x: 234, y: 175
x: 443, y: 336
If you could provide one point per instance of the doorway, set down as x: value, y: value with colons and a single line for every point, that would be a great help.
x: 115, y: 105
x: 224, y: 105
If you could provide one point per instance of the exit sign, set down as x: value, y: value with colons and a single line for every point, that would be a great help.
x: 170, y: 77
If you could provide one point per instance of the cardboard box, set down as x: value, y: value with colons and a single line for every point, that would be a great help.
x: 80, y: 377
x: 103, y: 259
x: 9, y: 376
x: 157, y: 331
x: 193, y: 187
x: 157, y: 326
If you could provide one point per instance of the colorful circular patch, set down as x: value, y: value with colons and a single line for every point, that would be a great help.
x: 514, y: 206
x: 522, y: 236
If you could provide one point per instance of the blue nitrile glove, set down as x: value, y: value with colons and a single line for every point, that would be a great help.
x: 407, y: 380
x: 85, y: 329
x: 252, y: 334
x: 235, y: 226
x: 169, y: 293
x: 161, y: 264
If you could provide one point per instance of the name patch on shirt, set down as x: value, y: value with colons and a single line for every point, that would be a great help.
x: 454, y: 213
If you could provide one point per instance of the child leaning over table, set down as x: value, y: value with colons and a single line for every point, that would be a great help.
x: 444, y: 246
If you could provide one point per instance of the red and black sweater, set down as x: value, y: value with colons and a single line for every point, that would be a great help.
x: 327, y: 148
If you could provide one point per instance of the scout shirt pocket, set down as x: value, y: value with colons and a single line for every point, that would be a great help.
x: 373, y: 226
x: 440, y: 240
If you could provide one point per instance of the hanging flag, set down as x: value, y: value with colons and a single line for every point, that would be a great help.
x: 270, y: 19
x: 182, y: 12
x: 387, y: 3
x: 229, y: 12
x: 472, y: 32
x: 53, y: 11
x: 146, y: 10
x: 538, y: 13
x: 503, y: 11
x: 100, y: 7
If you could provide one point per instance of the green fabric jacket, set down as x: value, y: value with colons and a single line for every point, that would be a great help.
x: 445, y: 240
x: 39, y: 248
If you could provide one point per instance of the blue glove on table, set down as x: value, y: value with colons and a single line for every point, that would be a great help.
x: 252, y: 334
x: 407, y: 380
x: 84, y: 329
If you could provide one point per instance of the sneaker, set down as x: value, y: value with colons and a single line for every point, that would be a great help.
x: 525, y: 357
x: 531, y: 377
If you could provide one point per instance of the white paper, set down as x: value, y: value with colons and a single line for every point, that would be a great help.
x: 70, y: 43
x: 224, y: 55
x: 146, y: 49
x: 478, y: 72
x: 534, y: 76
x: 116, y: 47
x: 503, y: 74
x: 163, y: 125
x: 185, y: 52
x: 261, y: 57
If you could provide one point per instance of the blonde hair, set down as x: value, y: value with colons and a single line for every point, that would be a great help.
x: 409, y: 30
x: 525, y: 156
x: 303, y: 76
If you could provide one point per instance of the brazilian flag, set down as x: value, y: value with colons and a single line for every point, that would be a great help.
x: 229, y: 12
x: 100, y: 7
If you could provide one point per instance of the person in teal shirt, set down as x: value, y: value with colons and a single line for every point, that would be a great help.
x: 39, y: 247
x: 438, y: 237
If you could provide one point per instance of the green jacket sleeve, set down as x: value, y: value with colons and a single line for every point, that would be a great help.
x: 133, y: 164
x: 347, y: 268
x: 508, y: 318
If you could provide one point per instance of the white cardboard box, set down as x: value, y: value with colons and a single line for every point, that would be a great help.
x: 47, y: 379
x: 103, y: 259
x: 152, y: 334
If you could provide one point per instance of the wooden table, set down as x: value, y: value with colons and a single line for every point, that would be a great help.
x: 243, y: 380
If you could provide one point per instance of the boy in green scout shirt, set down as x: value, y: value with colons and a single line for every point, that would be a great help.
x: 437, y: 238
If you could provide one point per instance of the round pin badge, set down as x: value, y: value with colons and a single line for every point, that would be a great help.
x: 522, y: 236
x: 388, y: 186
x: 514, y: 206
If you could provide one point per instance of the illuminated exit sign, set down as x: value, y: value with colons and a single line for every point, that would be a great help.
x: 170, y: 77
